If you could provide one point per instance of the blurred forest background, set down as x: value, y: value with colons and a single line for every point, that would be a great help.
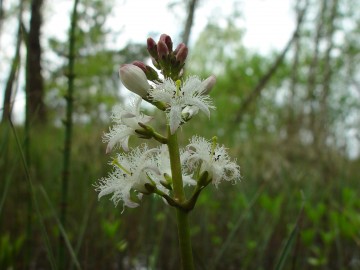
x: 290, y: 118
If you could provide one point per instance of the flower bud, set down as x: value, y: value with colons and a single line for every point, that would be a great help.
x: 140, y: 65
x: 134, y: 79
x: 182, y: 54
x: 152, y: 48
x: 181, y: 45
x: 150, y: 73
x: 208, y: 84
x: 162, y: 49
x: 167, y: 40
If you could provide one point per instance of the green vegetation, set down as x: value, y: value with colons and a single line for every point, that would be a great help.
x: 259, y: 213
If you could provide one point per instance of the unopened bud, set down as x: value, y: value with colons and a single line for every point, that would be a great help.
x: 152, y: 48
x: 150, y: 73
x: 208, y: 84
x: 182, y: 54
x: 167, y: 40
x: 162, y: 49
x: 181, y: 45
x: 134, y: 79
x: 140, y: 65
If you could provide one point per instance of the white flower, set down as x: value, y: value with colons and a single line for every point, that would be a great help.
x: 178, y: 97
x: 134, y: 79
x: 211, y: 158
x: 130, y: 173
x: 164, y: 167
x: 126, y: 122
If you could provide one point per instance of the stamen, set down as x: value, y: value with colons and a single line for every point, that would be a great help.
x: 117, y: 164
x: 178, y: 85
x: 213, y: 145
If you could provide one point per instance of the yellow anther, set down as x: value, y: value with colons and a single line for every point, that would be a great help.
x: 178, y: 85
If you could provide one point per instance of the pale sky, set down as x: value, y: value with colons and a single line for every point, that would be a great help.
x: 268, y: 24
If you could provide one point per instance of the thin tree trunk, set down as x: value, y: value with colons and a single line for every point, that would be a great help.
x: 327, y: 63
x: 68, y: 134
x: 1, y: 14
x: 324, y: 122
x: 7, y: 108
x: 266, y: 78
x: 312, y: 75
x: 34, y: 80
x: 189, y: 21
x: 292, y: 124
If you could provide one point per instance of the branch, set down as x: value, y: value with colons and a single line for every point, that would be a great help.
x: 189, y: 21
x: 265, y: 79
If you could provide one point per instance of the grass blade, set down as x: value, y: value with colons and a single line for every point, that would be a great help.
x: 231, y: 235
x: 36, y: 203
x: 61, y: 228
x: 289, y: 242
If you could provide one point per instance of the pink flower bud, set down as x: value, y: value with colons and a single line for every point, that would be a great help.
x: 162, y: 49
x: 182, y: 54
x: 181, y: 45
x: 150, y: 73
x: 140, y: 65
x: 208, y: 84
x: 167, y: 40
x: 134, y: 79
x: 152, y: 48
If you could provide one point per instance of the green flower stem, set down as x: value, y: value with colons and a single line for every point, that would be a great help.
x: 187, y: 260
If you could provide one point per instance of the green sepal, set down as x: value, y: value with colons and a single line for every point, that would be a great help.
x: 203, y: 179
x: 150, y: 188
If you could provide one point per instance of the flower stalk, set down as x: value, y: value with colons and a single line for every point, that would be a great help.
x: 182, y: 218
x: 165, y: 170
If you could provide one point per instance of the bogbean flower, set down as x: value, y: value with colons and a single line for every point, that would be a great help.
x: 131, y: 173
x: 126, y: 120
x: 179, y: 96
x: 211, y: 158
x: 164, y: 168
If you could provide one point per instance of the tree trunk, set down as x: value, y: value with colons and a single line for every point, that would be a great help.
x: 292, y: 124
x: 68, y: 135
x: 1, y: 14
x: 11, y: 79
x: 314, y: 71
x: 268, y: 75
x: 36, y: 111
x: 189, y: 21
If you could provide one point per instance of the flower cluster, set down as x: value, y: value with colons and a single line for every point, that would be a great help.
x: 145, y: 171
x: 141, y: 170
